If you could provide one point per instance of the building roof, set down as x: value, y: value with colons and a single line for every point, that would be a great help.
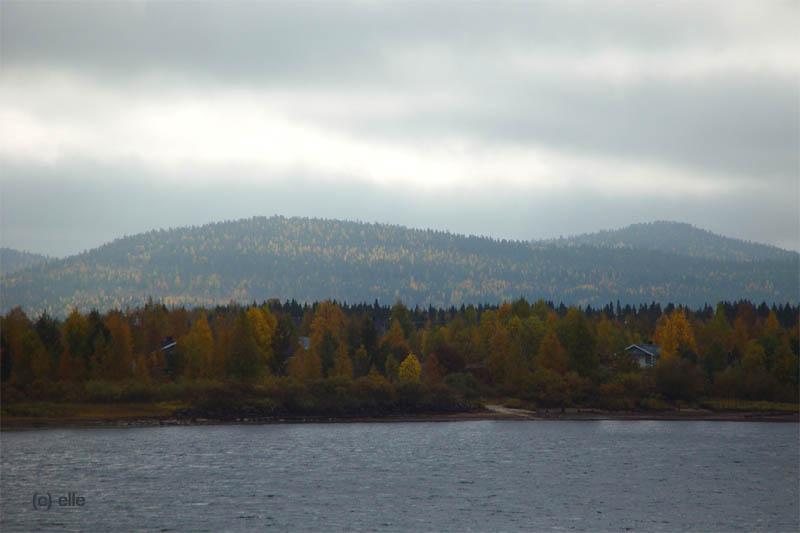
x: 650, y: 349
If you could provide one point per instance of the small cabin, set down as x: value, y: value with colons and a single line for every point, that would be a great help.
x: 305, y: 342
x: 163, y: 362
x: 645, y: 354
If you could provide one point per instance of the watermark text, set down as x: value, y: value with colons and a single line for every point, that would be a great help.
x: 44, y: 501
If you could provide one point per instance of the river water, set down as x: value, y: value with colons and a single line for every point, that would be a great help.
x: 453, y: 476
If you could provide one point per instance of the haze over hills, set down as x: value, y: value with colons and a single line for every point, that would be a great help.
x: 313, y: 259
x: 15, y: 260
x: 679, y: 238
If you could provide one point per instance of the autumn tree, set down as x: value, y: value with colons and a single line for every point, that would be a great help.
x: 142, y: 370
x: 462, y: 337
x: 27, y: 355
x: 327, y: 332
x: 342, y: 366
x: 787, y: 369
x: 517, y: 361
x: 368, y: 336
x: 521, y: 308
x: 394, y: 342
x: 99, y: 339
x: 676, y: 337
x: 154, y: 326
x: 743, y: 326
x: 283, y: 342
x: 392, y: 368
x: 499, y: 349
x: 245, y: 360
x: 486, y: 331
x: 432, y: 371
x: 611, y: 340
x: 223, y: 332
x: 549, y: 384
x: 448, y: 356
x: 12, y: 331
x: 531, y: 335
x: 118, y: 361
x: 75, y: 335
x: 402, y: 316
x: 36, y: 361
x: 361, y: 362
x: 327, y: 317
x: 305, y: 365
x: 197, y: 350
x: 328, y: 349
x: 714, y: 343
x: 433, y: 339
x: 263, y: 324
x: 48, y: 330
x: 754, y: 358
x: 177, y: 323
x: 770, y: 339
x: 410, y: 369
x: 579, y: 342
x: 551, y: 355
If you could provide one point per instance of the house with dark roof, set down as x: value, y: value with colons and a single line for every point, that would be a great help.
x: 163, y: 362
x: 645, y: 354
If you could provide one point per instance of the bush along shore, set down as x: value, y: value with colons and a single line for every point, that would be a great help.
x: 368, y: 397
x: 285, y: 361
x: 371, y: 398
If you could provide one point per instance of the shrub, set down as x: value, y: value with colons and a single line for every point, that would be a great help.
x: 136, y: 391
x: 377, y: 393
x: 442, y: 398
x: 760, y: 385
x: 728, y: 384
x: 464, y: 384
x: 546, y: 387
x: 654, y: 403
x: 333, y: 395
x: 624, y: 391
x: 677, y: 379
x: 410, y: 395
x: 102, y: 392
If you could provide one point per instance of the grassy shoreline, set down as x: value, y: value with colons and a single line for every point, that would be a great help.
x: 50, y: 415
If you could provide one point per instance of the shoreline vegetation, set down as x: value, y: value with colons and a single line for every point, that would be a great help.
x: 327, y: 362
x: 151, y: 415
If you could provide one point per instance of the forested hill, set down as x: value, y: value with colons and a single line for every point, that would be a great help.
x: 14, y: 260
x: 679, y: 238
x: 313, y: 260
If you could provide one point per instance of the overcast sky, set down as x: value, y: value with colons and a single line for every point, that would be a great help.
x: 515, y: 120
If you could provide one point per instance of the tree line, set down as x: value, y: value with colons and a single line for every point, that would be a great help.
x: 332, y: 356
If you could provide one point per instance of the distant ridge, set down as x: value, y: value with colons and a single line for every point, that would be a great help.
x: 313, y: 259
x: 679, y: 238
x: 15, y: 260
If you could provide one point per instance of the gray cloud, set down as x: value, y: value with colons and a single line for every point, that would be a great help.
x: 709, y: 89
x: 282, y: 38
x: 732, y: 127
x: 75, y: 210
x: 740, y: 122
